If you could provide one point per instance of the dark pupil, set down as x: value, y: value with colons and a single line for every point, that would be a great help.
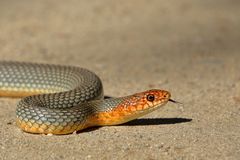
x: 150, y: 97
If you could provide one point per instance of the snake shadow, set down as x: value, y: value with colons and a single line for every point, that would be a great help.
x: 156, y: 121
x: 146, y: 121
x: 107, y: 97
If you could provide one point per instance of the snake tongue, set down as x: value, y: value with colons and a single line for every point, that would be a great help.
x: 171, y: 100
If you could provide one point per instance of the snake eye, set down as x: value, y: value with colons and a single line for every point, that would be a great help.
x: 150, y: 97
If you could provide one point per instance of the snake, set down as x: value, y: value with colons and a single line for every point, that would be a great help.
x: 61, y: 99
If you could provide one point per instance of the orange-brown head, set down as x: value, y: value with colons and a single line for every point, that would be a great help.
x: 132, y: 107
x: 142, y: 103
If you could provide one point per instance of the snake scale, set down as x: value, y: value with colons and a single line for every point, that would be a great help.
x: 60, y: 99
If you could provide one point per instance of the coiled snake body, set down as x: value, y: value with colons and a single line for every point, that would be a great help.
x: 63, y: 99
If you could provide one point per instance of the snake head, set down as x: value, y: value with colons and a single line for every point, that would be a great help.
x: 132, y: 107
x: 140, y: 104
x: 147, y: 101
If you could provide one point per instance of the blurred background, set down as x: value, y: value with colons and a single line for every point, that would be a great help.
x: 143, y: 36
x: 189, y: 47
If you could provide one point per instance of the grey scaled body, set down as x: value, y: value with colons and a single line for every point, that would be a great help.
x: 67, y: 89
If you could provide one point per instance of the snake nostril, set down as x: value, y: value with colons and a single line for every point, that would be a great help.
x: 165, y: 96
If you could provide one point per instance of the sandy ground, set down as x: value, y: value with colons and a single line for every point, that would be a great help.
x: 190, y: 48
